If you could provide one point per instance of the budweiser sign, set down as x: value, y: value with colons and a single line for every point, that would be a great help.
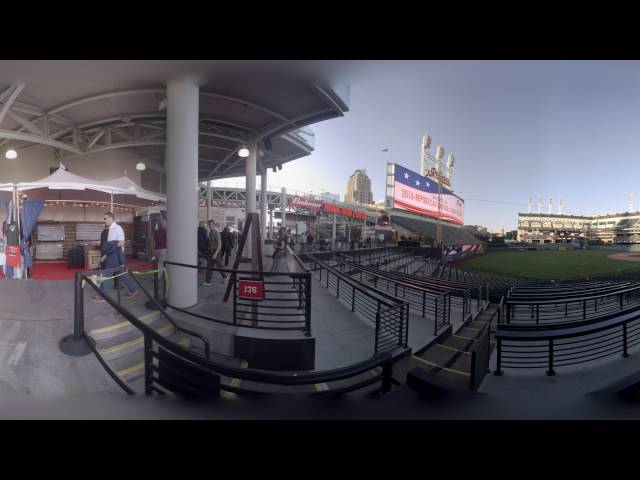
x: 300, y: 202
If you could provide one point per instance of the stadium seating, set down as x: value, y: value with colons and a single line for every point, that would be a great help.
x: 428, y: 228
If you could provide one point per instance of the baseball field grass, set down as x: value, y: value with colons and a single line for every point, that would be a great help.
x: 550, y: 265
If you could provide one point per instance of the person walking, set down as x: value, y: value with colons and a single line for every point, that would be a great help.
x: 213, y: 259
x: 203, y: 244
x: 227, y: 245
x: 309, y: 242
x: 280, y: 250
x: 113, y: 257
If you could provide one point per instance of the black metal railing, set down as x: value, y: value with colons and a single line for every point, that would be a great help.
x: 392, y: 328
x: 570, y: 307
x: 172, y: 368
x: 286, y: 304
x: 377, y: 307
x: 431, y: 304
x: 550, y: 347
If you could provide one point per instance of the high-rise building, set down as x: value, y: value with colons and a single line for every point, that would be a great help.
x: 359, y: 188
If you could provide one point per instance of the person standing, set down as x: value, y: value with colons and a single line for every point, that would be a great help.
x: 160, y: 242
x: 309, y: 242
x: 280, y: 250
x: 227, y: 245
x: 113, y: 257
x: 213, y: 259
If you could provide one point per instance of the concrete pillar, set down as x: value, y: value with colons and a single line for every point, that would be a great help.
x: 181, y: 161
x: 208, y: 200
x: 263, y: 203
x: 333, y: 233
x: 250, y: 191
x: 271, y: 223
x: 283, y: 205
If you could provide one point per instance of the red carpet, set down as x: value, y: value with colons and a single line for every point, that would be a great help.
x: 59, y: 270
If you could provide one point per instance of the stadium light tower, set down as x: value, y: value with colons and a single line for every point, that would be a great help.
x: 424, y: 155
x: 439, y: 157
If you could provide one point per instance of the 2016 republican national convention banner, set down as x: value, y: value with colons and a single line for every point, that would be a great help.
x: 419, y: 194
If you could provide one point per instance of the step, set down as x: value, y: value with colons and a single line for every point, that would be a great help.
x: 458, y: 342
x: 469, y: 332
x: 131, y: 366
x: 149, y: 318
x: 122, y: 345
x: 443, y: 356
x: 455, y: 378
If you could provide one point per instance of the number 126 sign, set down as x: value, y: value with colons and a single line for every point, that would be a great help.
x: 251, y: 289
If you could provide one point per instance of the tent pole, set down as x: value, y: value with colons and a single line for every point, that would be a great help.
x: 111, y: 208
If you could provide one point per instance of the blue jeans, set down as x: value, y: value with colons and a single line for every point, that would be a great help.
x: 276, y: 262
x: 125, y: 279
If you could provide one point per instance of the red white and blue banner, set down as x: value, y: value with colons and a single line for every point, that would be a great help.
x: 455, y: 252
x: 419, y: 194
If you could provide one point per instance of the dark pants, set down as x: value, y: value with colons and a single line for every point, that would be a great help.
x: 213, y: 262
x: 226, y: 252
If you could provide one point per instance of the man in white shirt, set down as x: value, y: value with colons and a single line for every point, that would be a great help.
x: 115, y: 259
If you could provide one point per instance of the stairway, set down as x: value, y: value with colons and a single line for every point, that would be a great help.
x: 121, y: 344
x: 449, y: 358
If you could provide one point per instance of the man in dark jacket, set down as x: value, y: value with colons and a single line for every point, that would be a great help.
x: 203, y: 244
x: 113, y: 257
x: 227, y: 245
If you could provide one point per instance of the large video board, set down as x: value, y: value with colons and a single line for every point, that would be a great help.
x: 415, y: 193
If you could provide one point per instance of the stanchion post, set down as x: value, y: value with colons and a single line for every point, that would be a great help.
x: 77, y: 344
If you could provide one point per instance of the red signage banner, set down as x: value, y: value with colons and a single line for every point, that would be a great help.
x: 13, y: 256
x: 251, y: 289
x: 301, y: 202
x: 344, y: 211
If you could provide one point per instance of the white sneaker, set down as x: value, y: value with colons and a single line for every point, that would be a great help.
x: 205, y: 284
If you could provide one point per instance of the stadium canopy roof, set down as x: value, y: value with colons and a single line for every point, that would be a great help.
x: 84, y: 107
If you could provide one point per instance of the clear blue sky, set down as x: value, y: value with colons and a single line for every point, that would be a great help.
x: 517, y: 128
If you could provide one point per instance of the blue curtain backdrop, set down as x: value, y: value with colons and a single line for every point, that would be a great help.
x: 30, y: 212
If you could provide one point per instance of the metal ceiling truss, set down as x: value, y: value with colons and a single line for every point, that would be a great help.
x: 50, y: 128
x: 231, y: 197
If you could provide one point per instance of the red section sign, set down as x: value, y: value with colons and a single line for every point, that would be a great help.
x: 251, y: 289
x: 13, y: 256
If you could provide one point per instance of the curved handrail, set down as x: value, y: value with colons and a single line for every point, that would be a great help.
x: 254, y: 375
x: 162, y: 311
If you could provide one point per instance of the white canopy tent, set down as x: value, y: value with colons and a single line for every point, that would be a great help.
x: 64, y: 180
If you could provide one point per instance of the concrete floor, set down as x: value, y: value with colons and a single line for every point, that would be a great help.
x: 35, y: 315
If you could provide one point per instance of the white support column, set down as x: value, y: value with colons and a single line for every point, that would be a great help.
x: 263, y: 203
x: 209, y: 200
x: 283, y: 205
x: 333, y: 233
x: 250, y: 190
x: 271, y: 223
x: 181, y: 161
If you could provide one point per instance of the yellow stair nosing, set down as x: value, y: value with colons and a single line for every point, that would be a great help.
x: 121, y: 324
x: 451, y: 348
x: 431, y: 364
x: 133, y: 342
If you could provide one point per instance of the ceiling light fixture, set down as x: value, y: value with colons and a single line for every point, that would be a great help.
x: 10, y: 154
x: 141, y: 167
x: 244, y: 152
